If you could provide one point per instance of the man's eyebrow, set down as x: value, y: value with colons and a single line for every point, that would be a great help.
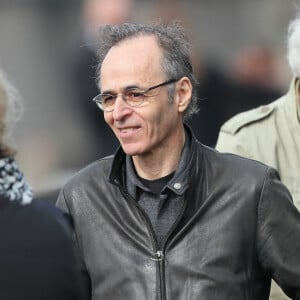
x: 129, y: 87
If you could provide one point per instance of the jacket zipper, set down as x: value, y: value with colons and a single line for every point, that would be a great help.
x: 160, y: 258
x: 161, y: 254
x: 158, y: 255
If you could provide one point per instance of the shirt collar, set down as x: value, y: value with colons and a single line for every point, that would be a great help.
x: 178, y: 183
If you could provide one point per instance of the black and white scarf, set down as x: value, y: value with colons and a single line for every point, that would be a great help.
x: 12, y: 183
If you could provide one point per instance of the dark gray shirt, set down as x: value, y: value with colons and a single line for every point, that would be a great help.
x: 161, y: 208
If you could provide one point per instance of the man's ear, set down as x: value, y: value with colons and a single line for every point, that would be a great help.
x: 183, y: 93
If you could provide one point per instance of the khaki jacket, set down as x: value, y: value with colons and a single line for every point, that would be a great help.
x: 270, y: 134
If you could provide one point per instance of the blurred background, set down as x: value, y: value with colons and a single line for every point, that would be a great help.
x: 47, y: 47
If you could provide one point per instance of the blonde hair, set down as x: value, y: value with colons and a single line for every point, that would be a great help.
x: 11, y: 110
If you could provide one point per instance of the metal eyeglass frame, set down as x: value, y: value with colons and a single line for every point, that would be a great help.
x: 99, y: 101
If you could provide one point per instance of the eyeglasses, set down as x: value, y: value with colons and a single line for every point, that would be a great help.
x: 132, y: 96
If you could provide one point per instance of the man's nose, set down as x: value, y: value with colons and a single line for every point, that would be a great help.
x: 121, y: 108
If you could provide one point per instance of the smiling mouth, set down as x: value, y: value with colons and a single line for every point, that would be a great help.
x: 128, y: 129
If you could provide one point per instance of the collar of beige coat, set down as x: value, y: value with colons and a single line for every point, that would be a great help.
x: 298, y: 97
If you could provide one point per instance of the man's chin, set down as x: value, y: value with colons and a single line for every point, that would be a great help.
x: 130, y: 151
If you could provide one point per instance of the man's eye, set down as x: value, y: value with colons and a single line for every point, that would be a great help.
x: 134, y: 94
x: 107, y: 98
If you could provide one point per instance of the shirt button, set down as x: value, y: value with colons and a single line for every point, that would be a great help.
x: 177, y: 186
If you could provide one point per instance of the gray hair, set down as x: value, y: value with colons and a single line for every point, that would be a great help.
x: 10, y: 112
x: 293, y: 46
x: 172, y: 38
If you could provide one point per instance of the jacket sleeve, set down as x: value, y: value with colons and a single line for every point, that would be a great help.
x: 278, y: 236
x: 85, y: 278
x: 61, y: 202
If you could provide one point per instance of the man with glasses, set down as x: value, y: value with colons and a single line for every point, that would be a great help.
x: 166, y: 217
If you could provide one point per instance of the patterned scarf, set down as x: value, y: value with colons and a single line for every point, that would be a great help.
x: 12, y: 183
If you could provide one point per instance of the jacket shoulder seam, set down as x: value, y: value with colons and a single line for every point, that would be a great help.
x: 233, y: 125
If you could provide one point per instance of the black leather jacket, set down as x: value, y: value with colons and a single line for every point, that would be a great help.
x: 238, y: 228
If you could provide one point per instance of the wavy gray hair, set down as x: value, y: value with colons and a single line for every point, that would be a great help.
x: 11, y: 110
x: 172, y: 38
x: 293, y: 46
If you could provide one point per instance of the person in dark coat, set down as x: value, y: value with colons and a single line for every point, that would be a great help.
x: 166, y: 217
x: 39, y: 259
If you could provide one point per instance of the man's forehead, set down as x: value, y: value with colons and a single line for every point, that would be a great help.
x: 131, y: 57
x: 134, y: 46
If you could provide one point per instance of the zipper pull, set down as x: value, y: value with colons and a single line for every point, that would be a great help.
x: 158, y: 256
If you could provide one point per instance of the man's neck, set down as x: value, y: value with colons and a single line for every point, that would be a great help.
x: 160, y: 163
